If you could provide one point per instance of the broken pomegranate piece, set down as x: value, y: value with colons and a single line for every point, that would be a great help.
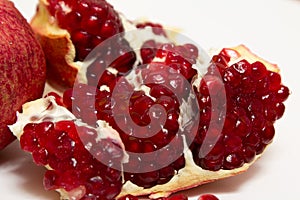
x: 75, y: 28
x: 83, y: 162
x: 70, y: 30
x: 72, y: 166
x: 234, y: 132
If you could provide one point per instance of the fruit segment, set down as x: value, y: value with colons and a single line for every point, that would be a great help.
x: 83, y: 162
x: 233, y: 131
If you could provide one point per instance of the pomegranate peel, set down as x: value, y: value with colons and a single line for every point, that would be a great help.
x: 62, y: 70
x: 22, y: 67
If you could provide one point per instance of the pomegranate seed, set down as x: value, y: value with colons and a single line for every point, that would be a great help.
x: 268, y: 133
x: 252, y: 140
x: 233, y: 144
x: 40, y: 156
x: 208, y: 197
x: 231, y: 77
x: 249, y: 154
x: 233, y: 160
x: 259, y: 71
x: 282, y: 93
x: 275, y: 81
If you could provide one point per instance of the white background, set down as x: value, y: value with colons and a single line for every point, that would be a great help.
x: 271, y: 28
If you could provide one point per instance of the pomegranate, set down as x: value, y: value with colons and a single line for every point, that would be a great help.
x: 22, y: 67
x: 208, y: 197
x: 157, y: 129
x: 143, y: 115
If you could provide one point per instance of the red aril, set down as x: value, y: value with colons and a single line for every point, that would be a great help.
x: 208, y: 197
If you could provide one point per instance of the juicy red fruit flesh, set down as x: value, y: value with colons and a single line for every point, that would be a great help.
x: 180, y: 58
x: 254, y: 101
x: 142, y: 110
x: 89, y: 22
x: 135, y: 139
x: 72, y: 165
x: 238, y: 130
x: 115, y: 54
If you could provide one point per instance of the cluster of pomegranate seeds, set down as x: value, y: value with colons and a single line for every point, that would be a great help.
x: 72, y: 167
x: 178, y: 57
x: 253, y: 101
x: 89, y: 22
x: 142, y: 128
x: 114, y: 58
x: 138, y: 135
x: 153, y: 135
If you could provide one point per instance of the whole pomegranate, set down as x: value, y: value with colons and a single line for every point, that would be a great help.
x: 22, y: 67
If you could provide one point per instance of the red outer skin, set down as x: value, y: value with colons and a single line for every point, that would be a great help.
x: 22, y: 67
